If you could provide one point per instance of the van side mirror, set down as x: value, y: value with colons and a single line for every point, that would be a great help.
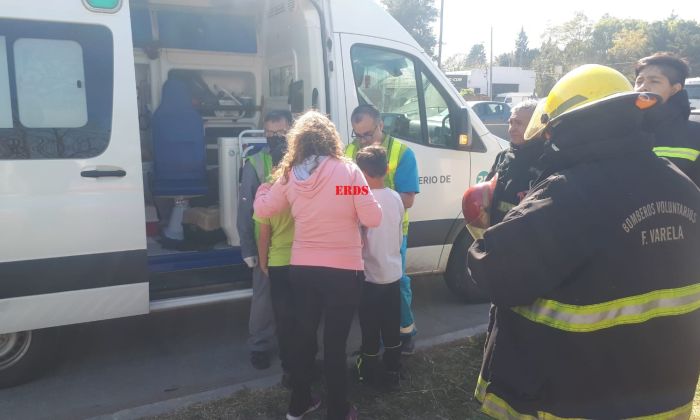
x: 463, y: 130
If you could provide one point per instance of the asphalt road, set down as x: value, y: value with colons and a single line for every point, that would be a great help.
x: 111, y: 366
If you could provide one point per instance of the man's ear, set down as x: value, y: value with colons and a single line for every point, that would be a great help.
x: 381, y: 125
x: 676, y: 87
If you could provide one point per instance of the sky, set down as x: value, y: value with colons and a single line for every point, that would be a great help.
x: 468, y: 22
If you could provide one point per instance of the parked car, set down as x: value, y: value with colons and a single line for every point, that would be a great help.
x: 692, y: 86
x: 494, y: 115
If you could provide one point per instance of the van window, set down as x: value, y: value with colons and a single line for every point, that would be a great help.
x: 49, y: 77
x: 387, y: 80
x: 437, y: 113
x: 412, y: 105
x: 56, y: 87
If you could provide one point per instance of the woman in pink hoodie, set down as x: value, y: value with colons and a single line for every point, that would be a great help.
x: 329, y: 199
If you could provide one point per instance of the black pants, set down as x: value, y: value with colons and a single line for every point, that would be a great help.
x: 283, y: 308
x: 334, y: 294
x: 380, y: 319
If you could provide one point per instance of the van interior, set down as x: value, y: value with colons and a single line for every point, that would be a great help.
x: 206, y: 72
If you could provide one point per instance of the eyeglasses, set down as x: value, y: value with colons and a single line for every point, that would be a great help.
x: 278, y: 133
x: 366, y: 136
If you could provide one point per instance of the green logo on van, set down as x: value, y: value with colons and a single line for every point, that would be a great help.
x: 481, y: 176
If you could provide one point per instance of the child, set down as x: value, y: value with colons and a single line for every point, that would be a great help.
x: 380, y: 304
x: 274, y: 252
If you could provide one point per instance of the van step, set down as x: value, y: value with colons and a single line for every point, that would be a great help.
x: 199, y: 300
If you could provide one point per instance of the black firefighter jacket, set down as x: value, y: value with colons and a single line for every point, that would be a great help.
x: 595, y: 278
x: 677, y: 138
x: 517, y: 169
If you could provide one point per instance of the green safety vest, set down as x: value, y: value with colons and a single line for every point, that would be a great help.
x: 262, y: 163
x: 395, y: 150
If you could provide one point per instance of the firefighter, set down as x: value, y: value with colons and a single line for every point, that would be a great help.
x: 676, y: 138
x: 516, y: 166
x: 594, y: 275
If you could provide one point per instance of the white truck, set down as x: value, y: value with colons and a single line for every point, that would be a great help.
x: 80, y: 84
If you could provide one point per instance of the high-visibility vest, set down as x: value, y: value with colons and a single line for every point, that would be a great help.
x: 262, y: 163
x: 395, y: 150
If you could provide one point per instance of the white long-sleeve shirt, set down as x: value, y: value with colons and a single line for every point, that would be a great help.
x: 381, y: 245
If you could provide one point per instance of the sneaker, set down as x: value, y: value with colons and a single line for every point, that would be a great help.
x: 315, y: 404
x: 408, y: 347
x: 260, y: 359
x: 352, y: 413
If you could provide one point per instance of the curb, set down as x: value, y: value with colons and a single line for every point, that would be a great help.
x: 174, y: 404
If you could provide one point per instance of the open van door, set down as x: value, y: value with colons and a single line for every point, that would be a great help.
x: 418, y: 110
x: 72, y: 213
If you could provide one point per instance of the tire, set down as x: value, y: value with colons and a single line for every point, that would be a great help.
x: 457, y: 276
x: 25, y: 355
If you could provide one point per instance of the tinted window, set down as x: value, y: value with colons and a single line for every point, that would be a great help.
x: 56, y: 84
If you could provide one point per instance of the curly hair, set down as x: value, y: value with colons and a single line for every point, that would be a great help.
x: 312, y: 134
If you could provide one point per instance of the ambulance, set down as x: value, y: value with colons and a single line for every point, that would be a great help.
x: 123, y: 125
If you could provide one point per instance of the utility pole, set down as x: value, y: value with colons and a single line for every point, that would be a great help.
x: 442, y: 7
x: 491, y: 68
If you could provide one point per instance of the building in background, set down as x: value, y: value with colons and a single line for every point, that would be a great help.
x: 505, y: 79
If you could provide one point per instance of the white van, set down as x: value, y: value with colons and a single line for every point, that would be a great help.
x: 513, y: 98
x: 84, y: 136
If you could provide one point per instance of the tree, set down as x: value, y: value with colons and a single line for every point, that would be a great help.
x: 522, y: 52
x: 505, y: 59
x: 476, y: 56
x: 417, y: 17
x: 628, y: 46
x: 455, y: 62
x: 547, y: 67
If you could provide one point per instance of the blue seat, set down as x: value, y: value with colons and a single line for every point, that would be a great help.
x: 179, y: 150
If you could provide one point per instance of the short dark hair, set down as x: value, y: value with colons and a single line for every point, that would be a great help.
x: 365, y: 111
x: 675, y: 68
x: 372, y: 161
x: 278, y: 115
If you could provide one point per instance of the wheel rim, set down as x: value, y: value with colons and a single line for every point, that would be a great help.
x: 13, y: 347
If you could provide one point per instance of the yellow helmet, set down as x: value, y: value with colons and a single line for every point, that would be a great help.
x: 584, y: 85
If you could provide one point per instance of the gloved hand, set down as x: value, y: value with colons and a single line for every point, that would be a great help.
x: 251, y: 261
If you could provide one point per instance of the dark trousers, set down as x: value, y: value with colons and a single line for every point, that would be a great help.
x: 334, y: 294
x: 380, y: 318
x: 283, y: 308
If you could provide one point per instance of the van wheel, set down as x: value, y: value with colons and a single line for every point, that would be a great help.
x: 457, y: 276
x: 24, y: 355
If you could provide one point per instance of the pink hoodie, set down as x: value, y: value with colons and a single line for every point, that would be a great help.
x: 326, y: 225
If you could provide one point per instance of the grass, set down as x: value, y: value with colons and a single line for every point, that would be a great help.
x: 438, y: 384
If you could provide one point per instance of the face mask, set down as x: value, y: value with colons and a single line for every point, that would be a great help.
x: 278, y: 147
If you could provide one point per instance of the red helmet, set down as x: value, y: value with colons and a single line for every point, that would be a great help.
x: 476, y: 202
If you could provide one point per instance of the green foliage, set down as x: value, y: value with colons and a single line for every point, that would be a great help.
x: 614, y: 42
x: 521, y: 55
x: 466, y: 92
x: 476, y: 56
x: 416, y: 16
x: 455, y: 62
